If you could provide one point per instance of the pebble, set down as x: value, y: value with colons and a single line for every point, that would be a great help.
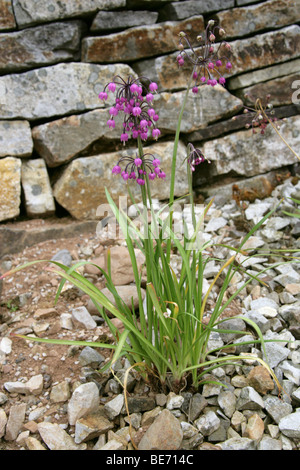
x: 57, y: 438
x: 289, y: 425
x: 165, y: 433
x: 84, y: 400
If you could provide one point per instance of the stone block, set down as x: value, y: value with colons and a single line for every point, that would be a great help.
x: 249, y: 155
x: 178, y: 11
x: 247, y: 20
x: 42, y: 45
x: 80, y: 189
x: 264, y: 49
x: 137, y: 43
x: 114, y: 20
x: 280, y: 90
x: 10, y: 187
x: 39, y: 201
x: 62, y: 140
x: 209, y: 105
x: 56, y: 90
x: 32, y: 12
x: 262, y: 75
x: 16, y: 140
x: 7, y: 19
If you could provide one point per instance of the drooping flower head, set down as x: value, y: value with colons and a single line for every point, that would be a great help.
x: 195, y: 156
x: 260, y: 116
x: 208, y: 58
x: 139, y: 115
x: 137, y: 168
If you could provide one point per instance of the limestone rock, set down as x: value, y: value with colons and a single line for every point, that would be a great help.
x: 84, y: 400
x: 16, y: 140
x: 82, y: 318
x: 209, y: 105
x: 3, y: 421
x: 144, y: 42
x: 258, y: 51
x: 56, y: 90
x: 248, y: 79
x: 64, y: 139
x: 290, y: 425
x: 126, y: 293
x: 278, y: 88
x: 39, y: 201
x: 249, y: 19
x: 10, y: 187
x: 165, y: 433
x: 113, y: 20
x: 7, y: 19
x: 228, y: 153
x: 260, y: 379
x: 42, y: 45
x: 91, y: 426
x: 80, y: 189
x: 121, y: 266
x: 178, y: 11
x: 57, y: 438
x: 255, y: 428
x: 39, y: 11
x: 15, y: 421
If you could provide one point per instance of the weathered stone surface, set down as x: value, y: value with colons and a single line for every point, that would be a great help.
x: 85, y: 400
x: 16, y: 140
x: 165, y: 433
x: 39, y: 201
x: 255, y: 428
x: 56, y: 90
x: 57, y: 438
x: 10, y: 187
x: 15, y: 239
x: 15, y: 421
x: 62, y: 140
x: 246, y: 56
x: 178, y: 11
x: 164, y: 71
x: 42, y: 45
x: 39, y: 11
x: 113, y: 20
x: 81, y: 187
x: 290, y: 425
x: 259, y: 51
x: 210, y: 104
x: 139, y: 42
x: 91, y: 426
x: 264, y: 74
x: 246, y: 20
x: 126, y: 293
x: 263, y: 153
x: 280, y: 90
x: 7, y: 19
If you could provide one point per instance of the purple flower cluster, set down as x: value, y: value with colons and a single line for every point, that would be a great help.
x: 207, y: 59
x: 195, y: 157
x: 139, y: 115
x: 136, y: 168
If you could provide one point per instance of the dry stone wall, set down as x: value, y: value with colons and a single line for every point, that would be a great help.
x: 56, y: 151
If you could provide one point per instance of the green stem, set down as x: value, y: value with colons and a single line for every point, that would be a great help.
x: 174, y: 159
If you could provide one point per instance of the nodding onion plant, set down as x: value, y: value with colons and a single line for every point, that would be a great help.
x: 168, y: 335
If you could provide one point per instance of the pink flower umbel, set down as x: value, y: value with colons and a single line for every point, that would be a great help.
x: 136, y: 168
x: 207, y: 59
x: 139, y: 116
